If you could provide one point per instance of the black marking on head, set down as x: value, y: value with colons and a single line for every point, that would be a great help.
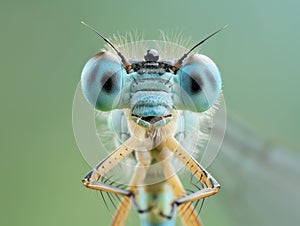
x: 151, y: 67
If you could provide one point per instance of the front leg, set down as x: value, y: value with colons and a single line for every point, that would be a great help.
x: 91, y: 180
x: 143, y: 159
x: 211, y: 186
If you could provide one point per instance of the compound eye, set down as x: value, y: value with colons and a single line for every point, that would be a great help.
x: 102, y: 79
x: 199, y: 79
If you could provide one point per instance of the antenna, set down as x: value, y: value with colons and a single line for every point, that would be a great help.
x: 177, y: 65
x: 125, y: 62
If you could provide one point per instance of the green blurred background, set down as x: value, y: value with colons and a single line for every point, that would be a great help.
x: 43, y: 49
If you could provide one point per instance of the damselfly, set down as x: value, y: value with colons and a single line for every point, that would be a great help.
x: 160, y: 103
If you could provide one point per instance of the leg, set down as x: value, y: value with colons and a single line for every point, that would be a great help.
x: 92, y: 179
x: 187, y: 214
x: 210, y: 184
x: 122, y: 212
x: 143, y: 161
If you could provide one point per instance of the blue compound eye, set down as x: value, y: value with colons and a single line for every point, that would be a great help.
x: 102, y: 79
x: 200, y: 79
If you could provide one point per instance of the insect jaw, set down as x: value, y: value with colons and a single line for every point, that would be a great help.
x: 148, y: 121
